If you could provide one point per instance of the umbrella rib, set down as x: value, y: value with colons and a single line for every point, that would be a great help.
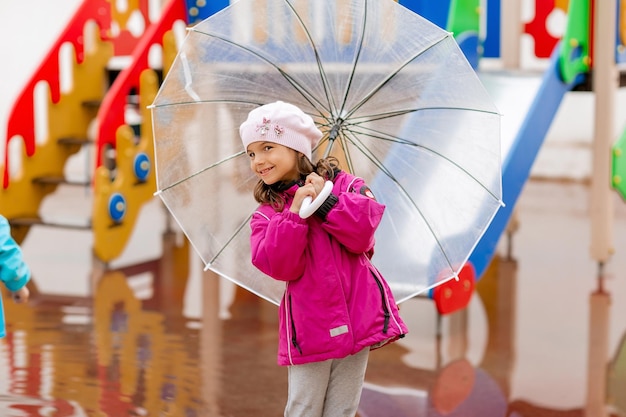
x: 359, y: 145
x: 382, y: 136
x: 231, y: 238
x: 346, y: 152
x: 213, y: 165
x: 318, y: 60
x: 188, y: 103
x: 356, y: 59
x: 343, y: 147
x: 391, y: 75
x: 380, y: 116
x: 309, y: 98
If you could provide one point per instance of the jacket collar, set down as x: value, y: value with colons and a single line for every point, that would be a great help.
x: 289, y: 187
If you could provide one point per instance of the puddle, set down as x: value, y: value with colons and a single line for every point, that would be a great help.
x: 155, y: 340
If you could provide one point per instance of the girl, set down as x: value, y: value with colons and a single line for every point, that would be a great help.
x: 336, y: 305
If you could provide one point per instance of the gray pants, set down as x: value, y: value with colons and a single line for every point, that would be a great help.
x: 330, y: 388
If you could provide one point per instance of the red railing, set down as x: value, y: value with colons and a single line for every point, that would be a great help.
x: 21, y: 120
x: 111, y: 113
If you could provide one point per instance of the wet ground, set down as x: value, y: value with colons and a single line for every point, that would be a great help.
x: 162, y: 338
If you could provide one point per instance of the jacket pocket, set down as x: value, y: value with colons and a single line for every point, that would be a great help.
x: 292, y: 324
x: 383, y: 300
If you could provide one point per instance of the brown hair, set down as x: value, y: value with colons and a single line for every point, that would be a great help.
x: 270, y: 194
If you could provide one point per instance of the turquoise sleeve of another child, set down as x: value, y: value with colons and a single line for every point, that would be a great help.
x: 3, y: 331
x: 14, y: 272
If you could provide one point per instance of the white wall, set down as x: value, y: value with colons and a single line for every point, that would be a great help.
x: 27, y: 31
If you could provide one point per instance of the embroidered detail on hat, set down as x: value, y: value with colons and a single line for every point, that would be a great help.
x: 264, y: 127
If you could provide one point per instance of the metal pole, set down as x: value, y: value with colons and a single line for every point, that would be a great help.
x: 598, y: 353
x: 510, y: 33
x: 605, y: 82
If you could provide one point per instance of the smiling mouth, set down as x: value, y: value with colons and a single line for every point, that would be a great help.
x: 265, y: 171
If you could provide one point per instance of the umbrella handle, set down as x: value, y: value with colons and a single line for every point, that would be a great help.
x: 308, y: 207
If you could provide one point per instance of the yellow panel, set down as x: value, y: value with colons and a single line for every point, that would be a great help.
x: 121, y: 16
x: 168, y: 358
x: 112, y: 293
x: 110, y: 238
x: 561, y: 4
x: 67, y: 118
x: 169, y: 51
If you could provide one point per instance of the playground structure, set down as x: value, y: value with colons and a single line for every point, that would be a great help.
x: 122, y: 180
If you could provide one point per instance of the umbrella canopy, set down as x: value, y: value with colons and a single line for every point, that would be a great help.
x: 399, y: 106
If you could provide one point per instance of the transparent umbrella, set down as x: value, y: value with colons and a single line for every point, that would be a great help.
x: 399, y: 106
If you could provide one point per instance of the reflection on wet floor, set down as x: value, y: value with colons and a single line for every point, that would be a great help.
x: 532, y: 343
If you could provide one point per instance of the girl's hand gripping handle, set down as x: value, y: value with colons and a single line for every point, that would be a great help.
x: 308, y: 207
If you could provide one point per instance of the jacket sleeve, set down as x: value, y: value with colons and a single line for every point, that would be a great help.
x: 354, y: 219
x: 13, y: 270
x: 278, y: 243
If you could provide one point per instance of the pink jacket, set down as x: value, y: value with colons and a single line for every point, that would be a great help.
x: 336, y: 302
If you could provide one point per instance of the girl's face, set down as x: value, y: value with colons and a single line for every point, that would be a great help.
x: 272, y: 162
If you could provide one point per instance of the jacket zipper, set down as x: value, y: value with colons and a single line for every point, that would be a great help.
x: 294, y: 340
x: 382, y: 295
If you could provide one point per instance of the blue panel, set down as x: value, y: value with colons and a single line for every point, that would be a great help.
x: 435, y: 11
x: 491, y: 43
x: 518, y: 162
x: 197, y: 13
x: 468, y: 42
x: 620, y: 55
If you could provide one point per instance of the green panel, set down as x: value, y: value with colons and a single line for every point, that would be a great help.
x: 463, y: 16
x: 617, y: 380
x: 619, y: 166
x: 574, y: 55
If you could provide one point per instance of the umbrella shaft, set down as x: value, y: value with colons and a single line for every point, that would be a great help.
x: 334, y: 132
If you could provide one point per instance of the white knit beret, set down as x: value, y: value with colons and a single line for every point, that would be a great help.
x: 281, y: 123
